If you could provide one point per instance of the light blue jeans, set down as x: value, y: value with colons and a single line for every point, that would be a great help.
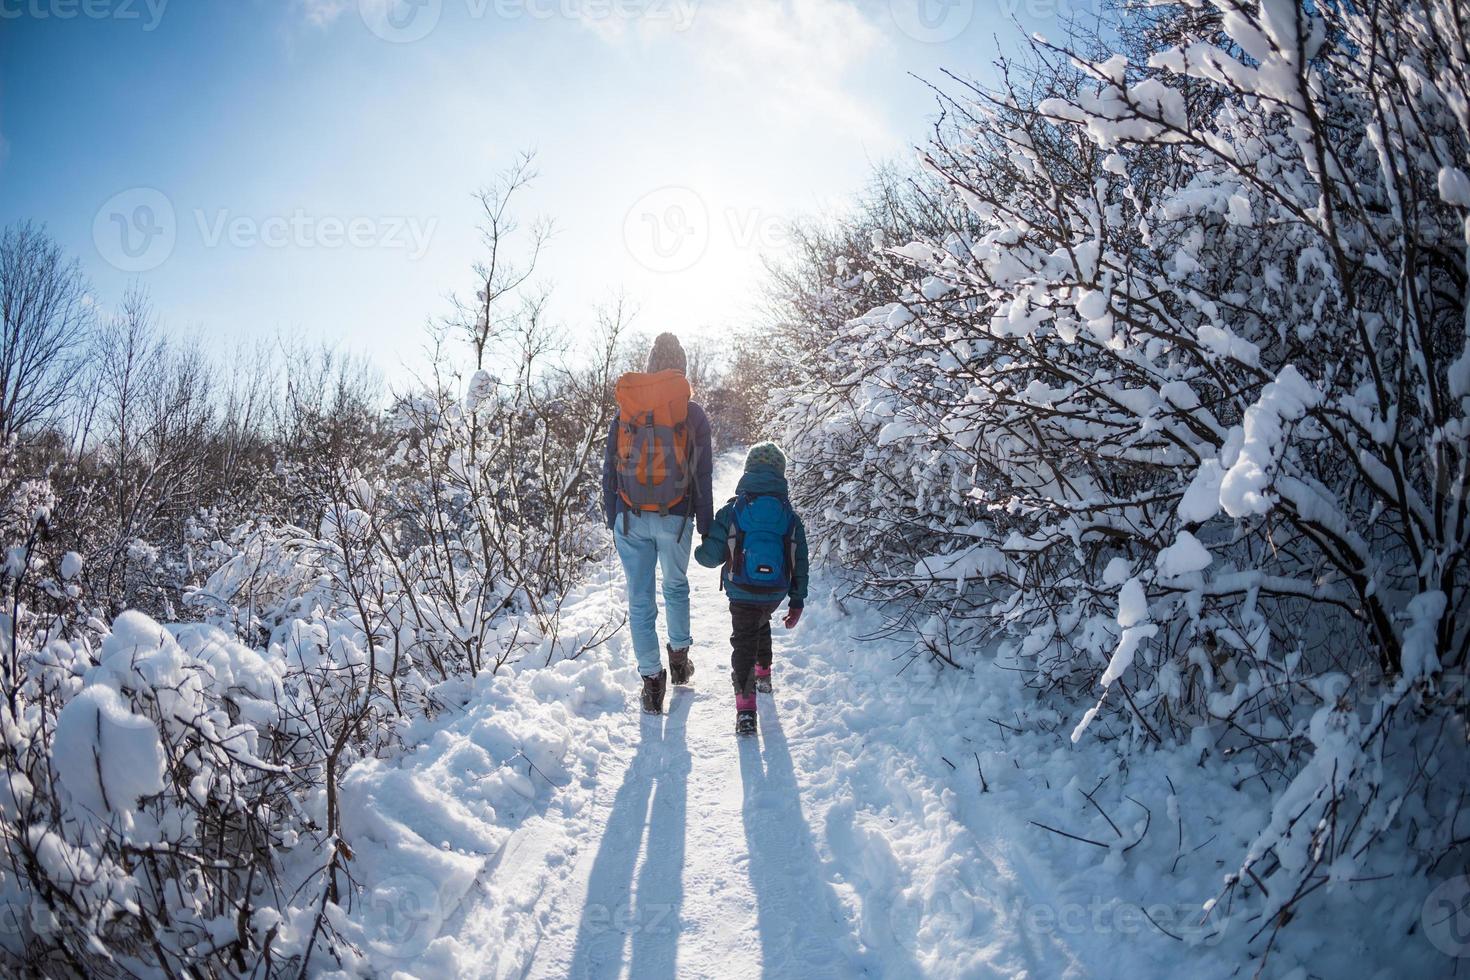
x: 653, y: 540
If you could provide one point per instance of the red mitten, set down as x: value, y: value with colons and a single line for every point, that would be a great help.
x: 793, y: 616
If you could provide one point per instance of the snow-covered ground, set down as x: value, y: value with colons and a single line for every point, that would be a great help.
x: 881, y: 825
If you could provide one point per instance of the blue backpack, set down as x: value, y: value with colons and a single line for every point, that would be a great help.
x: 762, y: 544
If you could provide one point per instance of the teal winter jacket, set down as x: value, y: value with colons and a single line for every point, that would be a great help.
x: 713, y: 550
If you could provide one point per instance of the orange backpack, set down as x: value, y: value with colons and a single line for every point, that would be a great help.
x: 655, y: 455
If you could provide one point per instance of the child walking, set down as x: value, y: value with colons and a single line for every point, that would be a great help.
x: 759, y: 544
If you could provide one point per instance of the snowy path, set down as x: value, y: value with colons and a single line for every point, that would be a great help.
x: 841, y: 842
x: 706, y: 865
x: 703, y: 863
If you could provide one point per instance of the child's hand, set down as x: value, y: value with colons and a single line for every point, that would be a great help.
x: 793, y: 616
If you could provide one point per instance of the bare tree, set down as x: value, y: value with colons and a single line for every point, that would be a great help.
x: 46, y: 320
x: 501, y: 293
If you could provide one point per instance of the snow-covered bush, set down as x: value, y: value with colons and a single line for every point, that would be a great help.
x: 1176, y: 419
x: 174, y: 795
x: 152, y: 775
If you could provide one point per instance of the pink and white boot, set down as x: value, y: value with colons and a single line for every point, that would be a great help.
x: 763, y: 679
x: 745, y: 714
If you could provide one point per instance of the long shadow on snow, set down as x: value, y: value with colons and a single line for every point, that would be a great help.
x: 803, y: 931
x: 658, y: 771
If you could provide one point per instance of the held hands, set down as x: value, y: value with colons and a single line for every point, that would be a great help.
x: 793, y: 616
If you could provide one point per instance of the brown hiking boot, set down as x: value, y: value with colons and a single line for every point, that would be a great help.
x: 653, y: 693
x: 681, y: 668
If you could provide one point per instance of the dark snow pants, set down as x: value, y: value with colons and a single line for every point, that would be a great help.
x: 750, y: 642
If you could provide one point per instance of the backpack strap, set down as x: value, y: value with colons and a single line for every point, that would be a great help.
x: 691, y: 493
x: 732, y: 537
x: 790, y: 541
x: 663, y: 507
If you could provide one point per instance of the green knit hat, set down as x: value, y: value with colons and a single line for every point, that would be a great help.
x: 766, y: 454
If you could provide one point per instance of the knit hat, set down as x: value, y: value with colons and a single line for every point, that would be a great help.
x: 766, y: 454
x: 667, y: 354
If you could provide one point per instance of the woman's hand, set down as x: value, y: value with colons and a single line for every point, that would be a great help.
x: 793, y: 616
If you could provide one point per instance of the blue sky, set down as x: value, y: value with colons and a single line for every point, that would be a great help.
x: 306, y: 167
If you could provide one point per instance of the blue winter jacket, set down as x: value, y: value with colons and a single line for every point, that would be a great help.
x: 612, y: 503
x: 714, y: 549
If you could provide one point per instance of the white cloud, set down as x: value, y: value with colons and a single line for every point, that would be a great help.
x: 800, y: 52
x: 816, y: 36
x: 792, y: 55
x: 321, y: 13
